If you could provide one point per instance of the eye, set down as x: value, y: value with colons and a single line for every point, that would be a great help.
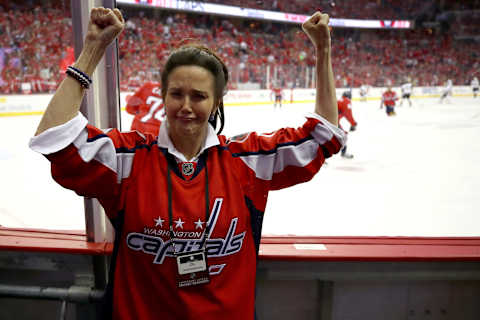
x: 175, y: 93
x: 198, y: 96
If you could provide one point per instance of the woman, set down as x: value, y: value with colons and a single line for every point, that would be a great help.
x: 187, y: 206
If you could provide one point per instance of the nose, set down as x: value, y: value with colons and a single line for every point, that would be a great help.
x: 186, y: 106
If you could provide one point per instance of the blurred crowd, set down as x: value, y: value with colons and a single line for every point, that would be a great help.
x: 36, y: 47
x: 32, y: 45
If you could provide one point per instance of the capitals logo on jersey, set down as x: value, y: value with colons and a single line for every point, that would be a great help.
x: 147, y: 106
x: 149, y: 241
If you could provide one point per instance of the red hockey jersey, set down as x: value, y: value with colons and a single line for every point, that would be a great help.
x: 277, y: 91
x: 389, y: 97
x: 147, y: 106
x: 345, y: 111
x: 127, y: 173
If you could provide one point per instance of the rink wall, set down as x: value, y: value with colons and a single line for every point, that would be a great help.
x: 18, y: 105
x: 256, y: 97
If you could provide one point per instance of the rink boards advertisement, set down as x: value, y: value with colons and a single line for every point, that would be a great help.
x: 35, y: 104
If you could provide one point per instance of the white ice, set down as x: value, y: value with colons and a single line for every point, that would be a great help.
x: 414, y: 174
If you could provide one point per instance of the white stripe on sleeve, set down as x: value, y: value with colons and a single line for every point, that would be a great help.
x: 300, y: 155
x: 265, y: 165
x: 74, y: 131
x: 57, y: 138
x: 103, y: 151
x: 325, y: 131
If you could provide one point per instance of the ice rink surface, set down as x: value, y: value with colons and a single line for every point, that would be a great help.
x: 415, y: 174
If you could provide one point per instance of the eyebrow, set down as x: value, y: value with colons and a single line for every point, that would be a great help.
x: 200, y: 91
x: 194, y: 90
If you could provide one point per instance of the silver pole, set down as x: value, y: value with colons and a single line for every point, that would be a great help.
x: 268, y: 77
x: 63, y: 310
x: 74, y: 294
x: 307, y: 77
x: 100, y: 105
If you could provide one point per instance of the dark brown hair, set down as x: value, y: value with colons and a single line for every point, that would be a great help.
x: 202, y: 56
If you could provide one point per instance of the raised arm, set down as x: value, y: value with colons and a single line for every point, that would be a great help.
x: 316, y: 28
x: 104, y: 26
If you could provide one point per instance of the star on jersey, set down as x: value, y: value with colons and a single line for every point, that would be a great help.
x: 158, y: 222
x: 199, y: 224
x: 179, y: 223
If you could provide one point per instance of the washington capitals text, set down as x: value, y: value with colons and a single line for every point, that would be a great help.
x: 219, y: 247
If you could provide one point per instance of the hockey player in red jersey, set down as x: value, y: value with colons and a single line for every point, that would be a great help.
x: 278, y: 95
x: 389, y: 99
x: 147, y: 106
x: 190, y: 193
x: 345, y: 111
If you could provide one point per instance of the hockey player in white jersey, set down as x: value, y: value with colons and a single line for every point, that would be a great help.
x: 406, y: 92
x: 364, y: 88
x: 447, y: 91
x: 475, y: 86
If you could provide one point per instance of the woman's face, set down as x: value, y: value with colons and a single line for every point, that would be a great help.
x: 189, y: 101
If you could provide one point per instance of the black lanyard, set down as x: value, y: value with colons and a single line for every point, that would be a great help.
x: 207, y: 204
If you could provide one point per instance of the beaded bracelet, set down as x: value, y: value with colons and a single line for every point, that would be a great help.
x: 80, y: 76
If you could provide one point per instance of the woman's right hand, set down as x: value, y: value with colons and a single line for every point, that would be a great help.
x: 316, y: 28
x: 104, y: 26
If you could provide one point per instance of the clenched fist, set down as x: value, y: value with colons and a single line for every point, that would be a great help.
x: 104, y: 26
x: 316, y: 28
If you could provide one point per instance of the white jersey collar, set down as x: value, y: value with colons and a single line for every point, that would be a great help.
x: 164, y: 141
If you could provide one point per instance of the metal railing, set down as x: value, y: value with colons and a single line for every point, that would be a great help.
x: 74, y: 294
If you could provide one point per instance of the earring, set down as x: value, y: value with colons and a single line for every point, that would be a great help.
x: 212, y: 117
